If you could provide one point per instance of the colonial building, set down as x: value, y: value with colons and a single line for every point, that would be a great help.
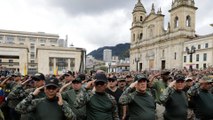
x: 153, y: 47
x: 31, y: 52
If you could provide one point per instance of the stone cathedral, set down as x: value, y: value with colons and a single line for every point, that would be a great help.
x: 154, y: 47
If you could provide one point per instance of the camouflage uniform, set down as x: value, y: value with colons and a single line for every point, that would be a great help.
x: 141, y: 105
x: 174, y: 101
x: 29, y: 105
x: 70, y: 97
x: 99, y: 106
x: 18, y: 94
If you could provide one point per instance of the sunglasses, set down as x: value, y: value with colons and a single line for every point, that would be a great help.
x: 76, y: 82
x: 51, y: 87
x: 180, y: 81
x: 110, y: 80
x: 99, y: 83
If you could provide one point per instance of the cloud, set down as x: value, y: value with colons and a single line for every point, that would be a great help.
x: 92, y: 7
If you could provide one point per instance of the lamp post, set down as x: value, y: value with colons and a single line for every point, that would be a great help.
x: 137, y: 60
x: 190, y: 52
x: 109, y: 67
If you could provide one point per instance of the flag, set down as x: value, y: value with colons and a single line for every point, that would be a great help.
x: 56, y: 71
x: 25, y: 69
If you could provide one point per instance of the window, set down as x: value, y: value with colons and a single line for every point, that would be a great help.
x: 184, y: 59
x: 0, y: 60
x: 198, y: 47
x: 134, y: 19
x: 204, y: 66
x: 176, y: 22
x: 53, y: 45
x: 206, y: 45
x: 10, y: 61
x: 141, y: 36
x: 1, y: 38
x: 197, y: 66
x: 42, y: 44
x: 10, y: 39
x: 204, y: 56
x: 141, y: 18
x: 175, y: 56
x: 188, y: 21
x: 133, y: 38
x: 21, y: 43
x: 53, y: 41
x: 197, y: 57
x: 21, y: 39
x: 32, y: 40
x: 32, y: 61
x: 32, y: 56
x: 42, y: 41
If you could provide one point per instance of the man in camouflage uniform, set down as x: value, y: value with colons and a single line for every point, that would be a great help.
x: 99, y: 104
x: 141, y: 103
x: 70, y: 97
x: 175, y: 100
x: 19, y: 93
x: 203, y: 99
x: 51, y: 107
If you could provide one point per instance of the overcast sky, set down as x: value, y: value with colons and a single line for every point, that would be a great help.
x: 88, y: 23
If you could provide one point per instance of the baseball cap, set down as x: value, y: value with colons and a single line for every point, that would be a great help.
x: 38, y: 76
x: 52, y: 82
x: 77, y: 80
x: 140, y: 77
x: 100, y: 77
x: 208, y: 79
x: 179, y: 77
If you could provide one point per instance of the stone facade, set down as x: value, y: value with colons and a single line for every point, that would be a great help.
x: 154, y: 48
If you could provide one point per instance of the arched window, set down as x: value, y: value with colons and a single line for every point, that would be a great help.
x: 141, y: 36
x: 141, y: 18
x: 134, y: 19
x: 188, y: 21
x: 176, y: 22
x: 133, y: 37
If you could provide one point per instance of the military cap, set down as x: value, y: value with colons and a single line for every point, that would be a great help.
x: 179, y: 77
x: 140, y: 77
x: 38, y: 76
x: 52, y: 82
x: 208, y: 79
x: 100, y: 77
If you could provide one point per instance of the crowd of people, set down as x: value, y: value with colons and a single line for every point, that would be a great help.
x: 146, y: 95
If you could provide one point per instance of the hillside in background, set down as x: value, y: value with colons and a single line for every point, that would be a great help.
x: 120, y: 50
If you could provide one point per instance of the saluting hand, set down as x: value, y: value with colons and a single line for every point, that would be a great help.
x: 60, y: 100
x: 65, y: 86
x: 133, y: 84
x: 37, y: 90
x: 26, y: 81
x: 90, y: 84
x: 172, y: 84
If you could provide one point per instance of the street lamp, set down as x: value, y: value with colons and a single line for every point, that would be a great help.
x: 137, y: 60
x: 190, y: 52
x: 109, y: 66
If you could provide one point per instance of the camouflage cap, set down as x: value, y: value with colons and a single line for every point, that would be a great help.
x: 140, y: 77
x: 121, y: 79
x: 207, y: 79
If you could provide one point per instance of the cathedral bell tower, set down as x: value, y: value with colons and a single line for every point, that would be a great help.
x: 139, y: 14
x: 182, y: 16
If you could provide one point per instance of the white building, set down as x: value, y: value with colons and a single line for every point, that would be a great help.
x: 107, y: 55
x: 38, y: 52
x: 153, y: 47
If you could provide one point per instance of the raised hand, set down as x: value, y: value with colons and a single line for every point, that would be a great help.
x: 60, y: 100
x: 37, y: 90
